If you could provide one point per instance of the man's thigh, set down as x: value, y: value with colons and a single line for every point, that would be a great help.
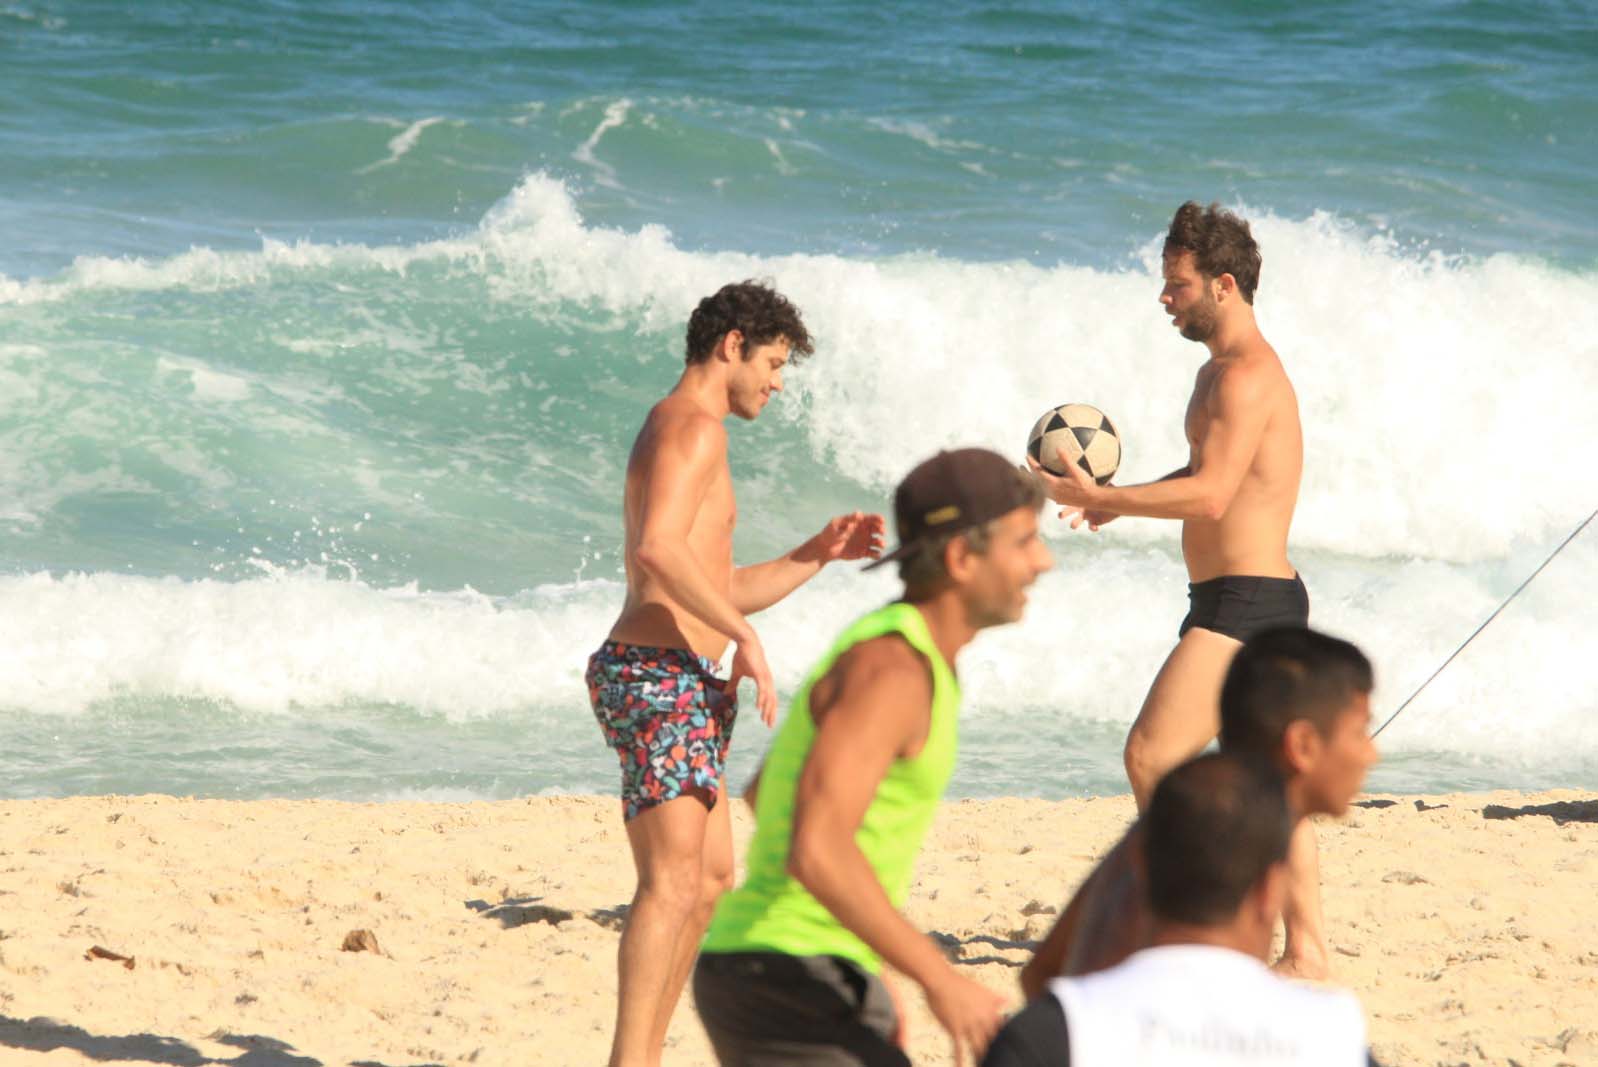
x: 668, y: 842
x: 1182, y: 712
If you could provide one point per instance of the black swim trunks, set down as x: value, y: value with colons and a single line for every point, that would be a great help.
x: 1241, y: 605
x: 769, y: 1009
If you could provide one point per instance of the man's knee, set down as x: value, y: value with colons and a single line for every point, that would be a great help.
x: 1144, y: 762
x: 711, y: 888
x: 674, y: 885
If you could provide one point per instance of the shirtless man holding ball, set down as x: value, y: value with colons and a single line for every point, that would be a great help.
x: 1235, y: 499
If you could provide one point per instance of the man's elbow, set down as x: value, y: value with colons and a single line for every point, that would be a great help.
x: 652, y: 554
x: 1213, y: 503
x: 805, y: 857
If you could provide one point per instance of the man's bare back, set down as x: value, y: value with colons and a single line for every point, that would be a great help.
x: 1250, y: 536
x: 650, y: 616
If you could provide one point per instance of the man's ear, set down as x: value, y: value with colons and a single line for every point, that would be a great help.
x: 958, y: 558
x: 1301, y: 746
x: 1226, y: 285
x: 731, y: 348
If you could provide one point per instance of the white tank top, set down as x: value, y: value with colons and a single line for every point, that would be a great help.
x: 1203, y: 1006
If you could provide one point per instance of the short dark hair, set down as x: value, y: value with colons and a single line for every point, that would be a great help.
x: 1214, y: 826
x: 754, y: 309
x: 1221, y: 243
x: 1287, y: 673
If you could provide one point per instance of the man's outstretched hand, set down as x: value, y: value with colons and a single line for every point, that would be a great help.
x: 857, y: 535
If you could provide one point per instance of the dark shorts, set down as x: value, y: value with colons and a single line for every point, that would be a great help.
x: 1034, y: 1037
x: 1241, y: 605
x: 667, y: 716
x: 763, y: 1009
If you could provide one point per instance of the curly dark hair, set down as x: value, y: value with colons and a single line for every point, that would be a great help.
x: 754, y: 309
x: 1220, y: 242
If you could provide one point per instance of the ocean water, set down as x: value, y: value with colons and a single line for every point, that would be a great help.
x: 325, y: 329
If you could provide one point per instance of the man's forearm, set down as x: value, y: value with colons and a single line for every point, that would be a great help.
x: 1049, y: 960
x: 674, y: 566
x: 839, y: 877
x: 760, y: 585
x: 1179, y: 495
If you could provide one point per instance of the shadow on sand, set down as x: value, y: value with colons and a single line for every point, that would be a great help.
x: 47, y: 1035
x: 956, y: 949
x: 519, y: 911
x: 1561, y: 811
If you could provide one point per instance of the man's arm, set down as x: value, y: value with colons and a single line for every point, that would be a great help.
x: 1049, y: 960
x: 1237, y: 415
x: 679, y: 475
x: 752, y: 790
x: 1099, y: 927
x: 879, y: 710
x: 760, y: 585
x: 1095, y: 519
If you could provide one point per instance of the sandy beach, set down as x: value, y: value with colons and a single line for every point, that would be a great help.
x: 1464, y: 923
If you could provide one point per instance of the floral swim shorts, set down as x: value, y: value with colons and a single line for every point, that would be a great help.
x: 668, y: 717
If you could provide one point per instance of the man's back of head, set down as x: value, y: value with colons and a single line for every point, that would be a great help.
x: 1215, y: 831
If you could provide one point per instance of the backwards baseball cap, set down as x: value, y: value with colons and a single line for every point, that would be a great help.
x: 954, y: 491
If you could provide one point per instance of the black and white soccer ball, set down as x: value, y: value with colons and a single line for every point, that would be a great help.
x: 1087, y: 435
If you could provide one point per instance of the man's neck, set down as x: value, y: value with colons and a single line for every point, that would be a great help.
x: 1233, y: 336
x: 946, y: 621
x: 705, y: 387
x: 1230, y: 936
x: 1297, y: 802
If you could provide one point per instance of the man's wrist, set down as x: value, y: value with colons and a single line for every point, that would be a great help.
x: 933, y: 969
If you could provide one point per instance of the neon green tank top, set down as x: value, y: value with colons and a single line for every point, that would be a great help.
x: 772, y: 912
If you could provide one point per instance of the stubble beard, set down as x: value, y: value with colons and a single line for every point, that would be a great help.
x: 1200, y: 324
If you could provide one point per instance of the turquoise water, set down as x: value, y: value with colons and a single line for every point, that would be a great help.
x: 324, y: 330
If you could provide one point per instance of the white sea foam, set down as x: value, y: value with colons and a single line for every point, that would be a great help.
x: 604, y: 173
x: 1448, y: 448
x: 1446, y: 402
x: 207, y: 382
x: 402, y: 143
x: 288, y: 640
x: 923, y: 133
x: 1096, y: 629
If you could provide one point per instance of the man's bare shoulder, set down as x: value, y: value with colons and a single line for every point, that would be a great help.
x: 1113, y: 911
x: 879, y: 673
x: 679, y: 417
x: 1121, y: 854
x: 1247, y: 379
x: 681, y: 430
x: 888, y: 660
